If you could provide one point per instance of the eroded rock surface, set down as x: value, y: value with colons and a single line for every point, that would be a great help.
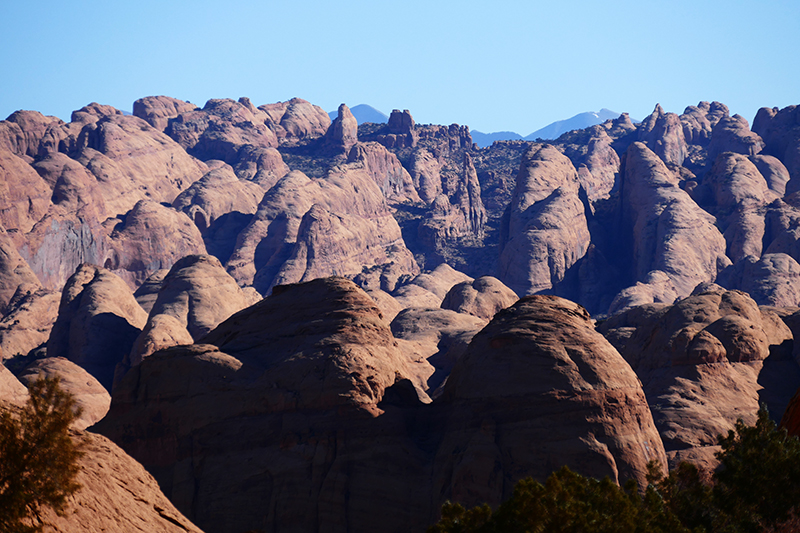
x: 542, y: 375
x: 98, y: 321
x: 705, y: 362
x: 547, y: 231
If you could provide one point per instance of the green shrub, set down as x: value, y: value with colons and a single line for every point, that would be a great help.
x: 38, y: 459
x: 756, y: 488
x: 566, y: 503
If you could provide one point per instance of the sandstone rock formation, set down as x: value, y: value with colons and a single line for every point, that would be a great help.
x: 158, y: 110
x: 12, y: 391
x: 458, y: 216
x: 774, y: 279
x: 781, y: 134
x: 670, y: 232
x: 296, y: 120
x: 663, y: 133
x: 316, y: 370
x: 393, y: 180
x: 737, y: 194
x: 132, y: 160
x: 116, y: 494
x: 429, y: 288
x: 732, y: 134
x: 596, y: 161
x: 24, y: 195
x: 482, y: 298
x: 541, y: 374
x: 306, y: 228
x: 151, y: 237
x: 441, y: 336
x: 23, y: 132
x: 343, y: 131
x: 699, y: 121
x: 221, y: 129
x: 28, y: 319
x: 14, y: 271
x: 216, y: 194
x: 90, y: 396
x: 705, y: 362
x: 315, y: 355
x: 98, y: 321
x: 546, y: 232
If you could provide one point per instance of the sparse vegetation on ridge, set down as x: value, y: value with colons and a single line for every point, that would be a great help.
x: 756, y: 488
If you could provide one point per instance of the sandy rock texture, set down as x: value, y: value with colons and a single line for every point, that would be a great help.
x: 546, y: 232
x: 90, y: 396
x: 306, y: 228
x: 98, y: 321
x: 323, y: 400
x: 543, y: 375
x: 482, y: 297
x: 117, y: 493
x: 670, y: 232
x: 313, y: 359
x: 705, y: 362
x: 28, y: 319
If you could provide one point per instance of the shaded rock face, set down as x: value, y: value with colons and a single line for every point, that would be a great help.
x: 393, y: 180
x: 319, y: 394
x: 543, y: 375
x: 781, y: 134
x: 216, y: 194
x: 774, y: 279
x: 318, y: 355
x: 546, y: 232
x: 705, y: 362
x: 732, y: 134
x: 596, y: 161
x: 193, y: 298
x: 98, y: 321
x: 740, y: 194
x: 14, y: 271
x: 462, y: 215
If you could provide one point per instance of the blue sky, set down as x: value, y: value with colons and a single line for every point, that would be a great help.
x: 508, y: 65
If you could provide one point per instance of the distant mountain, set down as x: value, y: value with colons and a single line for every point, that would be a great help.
x: 486, y: 139
x: 364, y: 114
x: 551, y: 131
x: 578, y: 122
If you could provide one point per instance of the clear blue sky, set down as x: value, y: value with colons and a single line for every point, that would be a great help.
x: 504, y: 65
